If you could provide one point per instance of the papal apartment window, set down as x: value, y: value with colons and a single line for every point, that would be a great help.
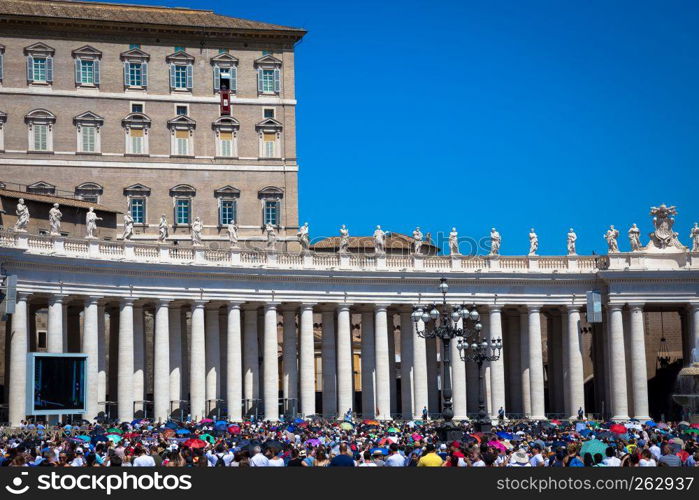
x: 269, y: 144
x: 88, y: 127
x: 88, y: 139
x: 226, y: 130
x: 137, y: 210
x: 226, y: 144
x: 181, y: 70
x: 182, y: 142
x: 271, y: 212
x: 135, y: 68
x: 136, y: 126
x: 268, y: 74
x: 183, y: 209
x: 87, y: 66
x: 135, y: 74
x: 225, y: 68
x: 40, y: 129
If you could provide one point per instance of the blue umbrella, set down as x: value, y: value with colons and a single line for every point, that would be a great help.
x: 298, y: 421
x: 171, y: 425
x: 505, y: 435
x: 182, y: 432
x: 585, y: 432
x: 291, y: 428
x: 650, y: 423
x: 221, y: 425
x: 384, y: 451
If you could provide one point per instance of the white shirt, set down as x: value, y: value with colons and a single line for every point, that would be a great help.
x: 276, y: 462
x: 213, y: 458
x: 259, y: 460
x: 395, y: 460
x: 647, y: 463
x: 367, y: 464
x: 612, y: 462
x: 144, y: 461
x: 480, y: 463
x: 655, y: 451
x: 536, y: 460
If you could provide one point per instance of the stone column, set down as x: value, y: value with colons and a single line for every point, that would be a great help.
x: 197, y: 362
x: 432, y: 375
x: 270, y: 364
x: 307, y: 362
x: 617, y: 363
x: 536, y: 364
x: 392, y: 376
x: 639, y: 373
x: 383, y: 376
x: 213, y: 356
x: 420, y: 394
x: 161, y: 362
x: 54, y: 341
x: 251, y: 364
x: 524, y: 361
x: 290, y: 362
x: 368, y: 366
x: 234, y: 371
x: 125, y: 377
x: 576, y: 379
x: 139, y: 358
x: 175, y: 338
x: 19, y: 343
x: 345, y: 395
x: 497, y: 368
x: 514, y: 341
x: 693, y: 334
x: 406, y: 365
x: 557, y: 375
x: 329, y: 354
x: 64, y: 332
x: 91, y: 348
x: 101, y: 359
x: 458, y: 379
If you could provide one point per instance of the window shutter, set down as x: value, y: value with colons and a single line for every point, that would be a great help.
x: 49, y: 69
x: 172, y: 76
x: 234, y: 78
x: 96, y: 70
x: 190, y: 76
x: 2, y: 56
x: 259, y: 80
x: 126, y: 74
x: 217, y: 78
x: 144, y: 73
x: 30, y: 69
x: 77, y: 71
x: 276, y: 80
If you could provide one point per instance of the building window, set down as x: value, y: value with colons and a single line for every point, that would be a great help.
x: 181, y: 70
x: 227, y: 212
x: 136, y: 126
x: 87, y: 66
x: 42, y: 187
x: 137, y: 107
x: 179, y: 78
x: 181, y: 110
x: 182, y: 211
x: 137, y: 210
x: 134, y: 46
x: 137, y: 141
x: 89, y: 191
x: 41, y: 339
x: 181, y: 142
x: 269, y: 131
x: 3, y: 119
x: 268, y: 113
x: 271, y: 213
x: 135, y: 68
x: 268, y: 81
x: 88, y: 127
x: 226, y: 134
x: 182, y: 132
x: 268, y: 74
x: 225, y: 68
x: 39, y: 63
x: 40, y: 129
x: 135, y: 75
x: 179, y: 49
x: 2, y: 61
x: 270, y: 141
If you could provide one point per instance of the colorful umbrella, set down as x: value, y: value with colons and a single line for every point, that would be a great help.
x: 393, y: 429
x: 194, y: 443
x: 206, y: 421
x: 618, y: 429
x: 183, y: 432
x: 299, y: 420
x: 556, y: 422
x: 208, y: 438
x: 114, y: 438
x: 114, y: 430
x: 593, y: 447
x: 383, y: 451
x: 694, y: 426
x: 346, y: 426
x: 370, y: 422
x: 313, y: 442
x: 87, y: 439
x: 167, y: 433
x: 650, y: 423
x: 234, y: 429
x: 498, y: 445
x: 505, y: 435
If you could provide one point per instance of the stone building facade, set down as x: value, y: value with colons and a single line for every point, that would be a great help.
x: 129, y: 98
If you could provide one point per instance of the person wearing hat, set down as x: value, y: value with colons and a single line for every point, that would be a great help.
x: 537, y: 459
x: 519, y: 459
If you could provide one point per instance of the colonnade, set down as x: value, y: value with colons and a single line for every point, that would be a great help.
x: 233, y: 361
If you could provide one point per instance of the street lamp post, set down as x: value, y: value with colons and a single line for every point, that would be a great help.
x: 446, y: 327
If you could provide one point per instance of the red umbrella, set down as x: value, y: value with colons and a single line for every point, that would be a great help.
x: 206, y: 421
x: 618, y: 429
x: 371, y: 422
x: 194, y: 443
x: 234, y: 429
x: 168, y: 433
x: 556, y: 422
x: 694, y: 426
x: 131, y: 435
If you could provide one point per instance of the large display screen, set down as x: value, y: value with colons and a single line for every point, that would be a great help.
x: 58, y: 383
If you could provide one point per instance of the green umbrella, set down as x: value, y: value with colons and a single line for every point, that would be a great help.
x: 593, y: 424
x: 392, y: 429
x: 346, y: 426
x: 593, y: 447
x: 114, y: 438
x: 208, y: 438
x: 692, y: 431
x: 114, y: 430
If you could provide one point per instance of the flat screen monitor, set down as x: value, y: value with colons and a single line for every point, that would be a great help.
x: 55, y: 383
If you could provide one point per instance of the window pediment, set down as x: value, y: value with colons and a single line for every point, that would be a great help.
x: 41, y: 187
x: 269, y: 124
x: 268, y: 61
x: 89, y: 188
x: 136, y: 120
x: 183, y: 190
x: 3, y: 118
x: 42, y: 116
x: 137, y: 189
x: 226, y: 124
x: 224, y: 60
x: 87, y: 52
x: 39, y: 49
x: 227, y: 192
x: 181, y: 122
x: 135, y: 55
x: 270, y: 192
x: 88, y: 118
x: 180, y: 57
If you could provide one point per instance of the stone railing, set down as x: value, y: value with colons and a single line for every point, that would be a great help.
x: 236, y: 257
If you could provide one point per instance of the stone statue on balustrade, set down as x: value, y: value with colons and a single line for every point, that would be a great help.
x: 163, y: 230
x: 91, y: 223
x: 417, y: 241
x: 55, y: 217
x: 572, y: 238
x: 611, y: 236
x: 271, y: 236
x: 454, y: 242
x: 304, y: 238
x: 379, y: 241
x: 694, y: 236
x: 533, y: 242
x: 495, y: 241
x: 128, y: 227
x: 197, y: 228
x: 664, y: 237
x: 233, y: 234
x: 22, y: 216
x: 635, y: 238
x: 344, y: 240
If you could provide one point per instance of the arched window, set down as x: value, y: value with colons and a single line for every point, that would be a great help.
x: 88, y: 127
x: 269, y: 132
x: 89, y: 191
x: 182, y: 135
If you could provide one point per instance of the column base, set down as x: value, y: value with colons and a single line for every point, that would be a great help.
x: 537, y: 417
x: 644, y: 418
x: 619, y: 418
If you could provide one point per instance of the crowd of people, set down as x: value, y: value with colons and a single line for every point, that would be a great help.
x: 348, y: 443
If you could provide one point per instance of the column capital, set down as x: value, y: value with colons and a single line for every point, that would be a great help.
x: 572, y: 308
x: 250, y: 306
x: 636, y: 306
x: 495, y: 307
x: 127, y: 301
x: 199, y: 303
x: 307, y: 305
x: 271, y: 305
x: 23, y: 295
x: 162, y: 301
x: 56, y: 298
x: 534, y: 308
x: 381, y: 307
x: 615, y: 307
x: 693, y: 306
x: 234, y: 304
x: 93, y: 299
x: 344, y: 307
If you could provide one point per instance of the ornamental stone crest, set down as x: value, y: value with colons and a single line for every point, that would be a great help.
x: 664, y: 238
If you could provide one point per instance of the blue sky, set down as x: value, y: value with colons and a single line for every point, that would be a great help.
x: 513, y: 114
